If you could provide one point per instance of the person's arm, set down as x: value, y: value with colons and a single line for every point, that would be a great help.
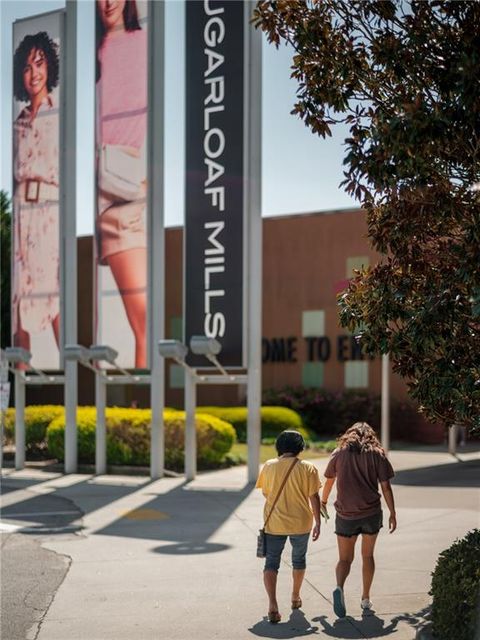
x: 388, y: 495
x: 315, y: 503
x: 327, y: 487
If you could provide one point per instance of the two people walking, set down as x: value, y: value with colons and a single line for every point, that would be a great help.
x: 358, y: 466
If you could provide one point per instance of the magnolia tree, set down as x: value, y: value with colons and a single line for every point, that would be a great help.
x: 405, y: 77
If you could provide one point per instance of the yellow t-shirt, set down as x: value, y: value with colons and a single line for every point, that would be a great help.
x: 292, y: 513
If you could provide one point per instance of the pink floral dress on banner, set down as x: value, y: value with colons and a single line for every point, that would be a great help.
x: 36, y: 284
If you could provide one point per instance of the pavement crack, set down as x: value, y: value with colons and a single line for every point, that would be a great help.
x: 42, y: 619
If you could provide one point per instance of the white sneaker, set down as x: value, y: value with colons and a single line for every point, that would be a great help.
x: 366, y: 604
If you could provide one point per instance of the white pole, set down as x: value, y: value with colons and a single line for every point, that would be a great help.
x: 385, y: 436
x: 156, y: 232
x: 253, y: 168
x: 452, y: 439
x: 19, y: 421
x: 100, y: 432
x: 190, y: 431
x: 68, y: 214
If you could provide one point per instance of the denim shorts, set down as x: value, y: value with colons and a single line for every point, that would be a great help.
x: 349, y: 528
x: 275, y: 545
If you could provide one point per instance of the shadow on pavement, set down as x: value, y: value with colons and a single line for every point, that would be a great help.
x: 296, y: 626
x: 461, y: 474
x: 187, y: 517
x: 54, y: 511
x: 370, y: 625
x: 165, y: 517
x: 17, y: 484
x: 189, y: 548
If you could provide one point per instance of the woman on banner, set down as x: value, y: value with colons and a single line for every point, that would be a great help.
x: 35, y: 295
x: 121, y: 165
x: 358, y: 465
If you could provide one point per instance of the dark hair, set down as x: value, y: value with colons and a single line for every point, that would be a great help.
x: 130, y: 20
x: 360, y: 437
x: 290, y: 442
x: 38, y: 42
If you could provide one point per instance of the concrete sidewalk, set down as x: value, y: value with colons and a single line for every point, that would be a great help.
x: 175, y: 561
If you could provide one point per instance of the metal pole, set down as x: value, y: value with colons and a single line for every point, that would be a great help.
x: 68, y: 211
x: 253, y: 161
x: 156, y: 232
x: 2, y: 413
x: 190, y: 431
x: 452, y: 439
x: 19, y: 421
x: 385, y: 436
x: 100, y: 432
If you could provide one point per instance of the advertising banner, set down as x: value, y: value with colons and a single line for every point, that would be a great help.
x: 214, y: 200
x: 36, y: 254
x: 121, y: 255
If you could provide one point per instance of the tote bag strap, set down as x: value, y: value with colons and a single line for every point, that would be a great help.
x: 280, y: 491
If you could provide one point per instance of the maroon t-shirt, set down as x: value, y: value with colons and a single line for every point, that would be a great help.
x: 358, y: 475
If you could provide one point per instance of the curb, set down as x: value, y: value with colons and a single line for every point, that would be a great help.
x: 58, y: 467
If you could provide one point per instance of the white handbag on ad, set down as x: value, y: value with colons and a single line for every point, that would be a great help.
x: 120, y: 173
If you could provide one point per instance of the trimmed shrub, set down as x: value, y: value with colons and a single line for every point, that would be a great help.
x: 456, y: 589
x: 37, y: 419
x: 274, y: 420
x: 128, y: 437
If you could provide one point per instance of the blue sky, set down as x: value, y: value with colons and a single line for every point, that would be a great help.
x: 300, y: 172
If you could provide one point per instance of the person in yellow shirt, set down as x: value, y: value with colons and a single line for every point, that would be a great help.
x: 292, y: 516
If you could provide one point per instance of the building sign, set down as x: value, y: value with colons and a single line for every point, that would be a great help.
x: 121, y: 255
x: 214, y: 226
x: 317, y: 349
x: 36, y: 255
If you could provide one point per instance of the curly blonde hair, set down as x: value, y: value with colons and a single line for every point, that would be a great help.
x: 360, y: 437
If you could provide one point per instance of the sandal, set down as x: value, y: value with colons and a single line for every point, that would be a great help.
x: 297, y: 603
x: 274, y: 617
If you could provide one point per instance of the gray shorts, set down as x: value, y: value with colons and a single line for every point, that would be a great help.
x: 370, y: 525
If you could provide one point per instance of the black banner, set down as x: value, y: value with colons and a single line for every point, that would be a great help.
x: 214, y: 228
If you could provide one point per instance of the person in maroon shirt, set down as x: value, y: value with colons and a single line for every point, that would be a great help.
x: 358, y: 465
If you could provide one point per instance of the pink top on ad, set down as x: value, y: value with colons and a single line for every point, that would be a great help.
x: 36, y: 144
x: 122, y: 88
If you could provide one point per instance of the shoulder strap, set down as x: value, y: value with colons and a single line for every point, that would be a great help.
x: 280, y: 491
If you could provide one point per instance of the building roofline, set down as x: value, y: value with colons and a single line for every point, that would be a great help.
x: 327, y: 212
x: 281, y: 216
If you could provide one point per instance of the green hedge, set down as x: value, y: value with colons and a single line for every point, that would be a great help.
x: 128, y: 437
x: 274, y: 420
x: 456, y: 589
x: 37, y: 419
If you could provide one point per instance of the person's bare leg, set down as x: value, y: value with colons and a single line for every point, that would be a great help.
x: 368, y: 563
x: 129, y: 268
x: 298, y: 576
x: 346, y: 551
x: 270, y: 582
x: 56, y: 329
x: 21, y: 339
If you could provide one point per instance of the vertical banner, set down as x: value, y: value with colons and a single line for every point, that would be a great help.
x: 214, y: 200
x: 36, y: 255
x: 121, y: 255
